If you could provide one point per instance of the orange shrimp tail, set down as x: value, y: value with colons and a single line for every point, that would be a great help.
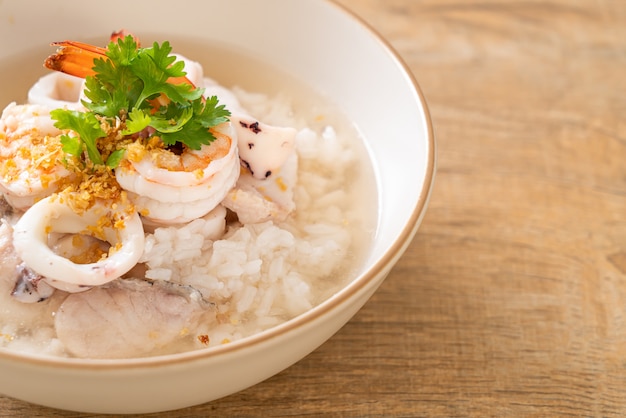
x: 74, y: 58
x: 77, y: 58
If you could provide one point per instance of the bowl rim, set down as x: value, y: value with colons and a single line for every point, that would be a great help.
x: 393, y: 253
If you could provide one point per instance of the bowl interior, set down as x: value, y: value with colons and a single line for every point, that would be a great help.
x: 318, y: 45
x: 316, y: 42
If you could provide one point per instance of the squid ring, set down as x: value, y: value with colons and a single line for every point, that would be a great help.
x: 124, y: 232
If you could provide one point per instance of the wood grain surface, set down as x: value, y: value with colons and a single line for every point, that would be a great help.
x: 510, y: 301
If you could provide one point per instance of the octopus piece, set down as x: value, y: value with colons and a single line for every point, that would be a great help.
x: 263, y: 148
x: 16, y: 279
x: 22, y: 306
x: 269, y: 163
x: 265, y: 187
x: 128, y: 318
x: 30, y: 287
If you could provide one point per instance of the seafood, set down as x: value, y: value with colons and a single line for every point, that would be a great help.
x: 77, y: 59
x: 255, y: 200
x: 195, y: 72
x: 57, y: 90
x: 30, y: 286
x: 213, y: 88
x: 154, y: 179
x: 176, y: 243
x: 128, y: 317
x: 263, y: 149
x: 30, y: 155
x: 119, y: 226
x: 65, y: 90
x: 166, y: 187
x: 20, y: 309
x: 169, y: 188
x: 264, y: 190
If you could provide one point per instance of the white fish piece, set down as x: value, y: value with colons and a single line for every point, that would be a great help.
x: 256, y: 201
x: 210, y: 226
x: 128, y: 318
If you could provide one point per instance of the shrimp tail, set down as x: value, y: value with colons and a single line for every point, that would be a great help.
x: 77, y: 58
x: 74, y: 58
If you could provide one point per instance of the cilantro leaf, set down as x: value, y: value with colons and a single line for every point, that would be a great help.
x: 115, y: 157
x: 143, y: 87
x: 195, y: 132
x: 166, y: 124
x: 212, y: 114
x: 86, y: 125
x: 155, y: 67
x: 114, y: 88
x: 122, y: 52
x: 193, y: 135
x: 71, y: 145
x: 105, y: 102
x: 137, y: 121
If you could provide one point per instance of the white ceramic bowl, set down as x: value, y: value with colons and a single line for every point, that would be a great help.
x: 316, y: 41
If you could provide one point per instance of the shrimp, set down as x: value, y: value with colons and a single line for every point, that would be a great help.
x: 117, y: 224
x: 129, y: 318
x: 65, y: 89
x: 30, y: 155
x: 167, y: 188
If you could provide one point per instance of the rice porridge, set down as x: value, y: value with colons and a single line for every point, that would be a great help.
x: 284, y: 234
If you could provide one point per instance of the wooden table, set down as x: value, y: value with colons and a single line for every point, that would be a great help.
x: 511, y: 299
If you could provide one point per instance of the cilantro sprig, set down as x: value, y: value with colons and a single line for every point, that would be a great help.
x: 86, y: 126
x: 141, y: 87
